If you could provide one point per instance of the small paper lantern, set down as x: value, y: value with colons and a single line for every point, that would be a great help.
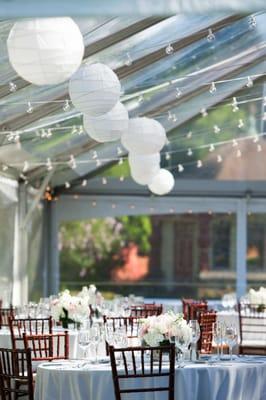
x: 143, y: 177
x: 144, y: 136
x: 45, y: 51
x: 108, y: 127
x: 94, y: 89
x: 162, y: 183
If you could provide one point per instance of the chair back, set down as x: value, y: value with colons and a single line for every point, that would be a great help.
x: 5, y: 314
x: 47, y: 347
x: 132, y: 365
x: 15, y: 374
x: 252, y: 328
x: 192, y: 308
x: 146, y: 310
x: 30, y: 326
x: 206, y: 321
x: 131, y: 325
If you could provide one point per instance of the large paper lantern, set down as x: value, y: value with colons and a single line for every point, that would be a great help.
x: 45, y: 51
x: 107, y: 127
x: 162, y: 183
x: 144, y: 136
x: 94, y: 89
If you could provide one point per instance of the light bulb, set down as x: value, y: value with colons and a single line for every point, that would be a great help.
x: 249, y: 83
x: 169, y: 49
x: 212, y: 89
x: 210, y: 36
x: 211, y: 148
x: 238, y: 153
x: 84, y: 182
x: 128, y: 61
x: 259, y: 148
x: 199, y: 164
x: 66, y: 105
x: 189, y: 135
x: 178, y: 92
x: 104, y: 181
x: 252, y: 22
x: 48, y: 164
x: 189, y: 152
x: 240, y: 123
x: 216, y: 129
x: 30, y: 108
x: 219, y: 158
x: 180, y: 168
x: 167, y: 156
x: 12, y: 87
x: 67, y: 185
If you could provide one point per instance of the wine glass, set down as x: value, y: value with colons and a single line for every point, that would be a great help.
x: 181, y: 343
x: 84, y: 341
x: 195, y: 331
x: 218, y: 337
x: 94, y: 334
x: 231, y: 338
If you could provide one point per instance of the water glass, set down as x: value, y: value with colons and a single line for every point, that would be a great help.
x: 84, y: 341
x: 231, y: 337
x: 195, y: 329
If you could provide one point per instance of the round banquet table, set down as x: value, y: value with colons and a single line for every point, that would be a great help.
x: 243, y: 379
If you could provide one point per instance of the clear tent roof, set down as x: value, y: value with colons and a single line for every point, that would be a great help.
x: 189, y: 89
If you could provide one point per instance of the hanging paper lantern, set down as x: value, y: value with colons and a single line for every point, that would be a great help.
x: 144, y: 136
x: 94, y: 89
x: 107, y: 127
x: 162, y: 183
x: 45, y: 51
x: 143, y: 168
x: 142, y: 162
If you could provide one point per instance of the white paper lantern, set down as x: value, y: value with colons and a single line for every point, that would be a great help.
x: 144, y: 136
x: 143, y: 168
x: 162, y: 183
x: 108, y: 127
x: 94, y: 89
x: 45, y: 51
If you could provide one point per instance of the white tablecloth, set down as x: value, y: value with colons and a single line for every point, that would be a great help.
x: 235, y: 380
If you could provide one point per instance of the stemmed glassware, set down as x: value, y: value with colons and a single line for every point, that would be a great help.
x: 195, y: 330
x: 181, y: 343
x: 231, y: 338
x: 95, y: 336
x: 84, y: 341
x: 218, y: 331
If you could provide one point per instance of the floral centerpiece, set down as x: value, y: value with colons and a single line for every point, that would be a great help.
x: 73, y: 309
x: 157, y: 330
x: 258, y: 297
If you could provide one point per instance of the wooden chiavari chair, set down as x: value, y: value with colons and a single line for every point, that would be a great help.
x: 252, y: 329
x: 132, y: 366
x: 131, y: 325
x: 47, y: 347
x: 15, y: 374
x: 146, y: 310
x: 206, y: 321
x: 30, y: 326
x: 5, y: 314
x: 192, y: 308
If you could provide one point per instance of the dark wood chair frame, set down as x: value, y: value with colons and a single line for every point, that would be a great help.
x: 154, y: 368
x: 5, y: 314
x: 146, y: 310
x: 31, y: 326
x: 47, y: 347
x: 16, y: 379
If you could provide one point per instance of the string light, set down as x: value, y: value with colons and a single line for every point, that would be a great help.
x: 98, y: 163
x: 259, y: 148
x: 211, y: 148
x: 216, y: 129
x: 80, y: 130
x: 94, y: 155
x: 189, y: 135
x: 49, y: 165
x: 212, y: 89
x: 204, y: 112
x: 255, y: 139
x: 180, y: 168
x: 74, y: 130
x: 25, y: 166
x: 67, y: 185
x: 178, y: 93
x: 170, y: 116
x: 72, y: 162
x: 122, y: 178
x: 234, y: 143
x: 30, y: 108
x: 249, y: 83
x: 219, y: 158
x: 174, y: 118
x: 199, y: 164
x: 128, y: 61
x: 169, y: 49
x: 120, y: 161
x: 94, y: 204
x: 140, y: 99
x: 210, y: 36
x: 167, y: 156
x: 240, y: 123
x: 189, y: 152
x: 12, y: 87
x: 252, y: 22
x: 104, y: 181
x: 119, y: 151
x: 66, y: 105
x: 234, y: 105
x: 84, y: 182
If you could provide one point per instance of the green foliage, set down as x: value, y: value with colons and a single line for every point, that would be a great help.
x: 137, y: 230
